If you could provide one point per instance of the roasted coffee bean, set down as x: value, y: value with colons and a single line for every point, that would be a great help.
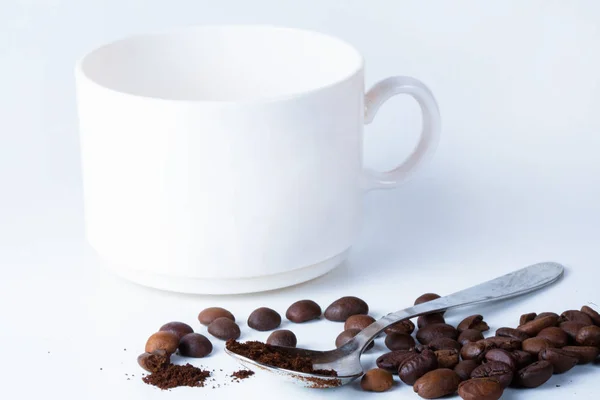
x: 556, y: 336
x: 526, y: 318
x: 576, y: 316
x: 502, y: 356
x: 502, y: 343
x: 464, y: 368
x: 512, y: 333
x: 224, y: 328
x: 178, y: 328
x: 593, y: 314
x: 473, y: 322
x: 444, y: 344
x: 154, y: 361
x: 376, y: 380
x: 348, y: 334
x: 391, y: 361
x: 264, y: 319
x: 437, y: 383
x: 399, y: 341
x: 572, y: 328
x: 282, y: 337
x: 424, y: 298
x: 523, y: 358
x: 547, y: 314
x: 162, y: 340
x: 480, y: 389
x: 561, y: 360
x: 496, y: 370
x: 435, y: 331
x: 358, y: 321
x: 415, y: 367
x: 195, y: 345
x: 585, y: 354
x: 430, y: 319
x: 208, y: 315
x: 534, y: 375
x: 447, y: 358
x: 469, y: 335
x: 405, y: 326
x: 344, y: 307
x: 588, y: 336
x: 303, y: 311
x: 473, y: 351
x: 534, y: 327
x: 535, y: 344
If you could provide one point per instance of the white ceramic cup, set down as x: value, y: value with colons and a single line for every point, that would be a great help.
x: 227, y: 159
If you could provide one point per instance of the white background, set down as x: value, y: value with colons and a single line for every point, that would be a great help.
x: 516, y: 180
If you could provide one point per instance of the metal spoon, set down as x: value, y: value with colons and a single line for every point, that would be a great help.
x: 346, y: 359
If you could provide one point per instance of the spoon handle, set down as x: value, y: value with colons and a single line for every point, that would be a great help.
x: 514, y: 284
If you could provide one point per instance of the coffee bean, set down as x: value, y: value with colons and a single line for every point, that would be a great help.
x: 224, y: 328
x: 447, y: 358
x: 480, y: 389
x: 282, y: 337
x: 430, y: 319
x: 535, y: 344
x: 195, y: 345
x: 264, y: 319
x: 405, y: 326
x: 348, y: 334
x: 556, y: 336
x: 358, y: 321
x: 473, y: 351
x: 162, y: 340
x: 526, y: 318
x: 572, y: 328
x: 576, y: 316
x: 376, y: 380
x: 512, y: 333
x: 437, y: 383
x: 303, y: 311
x: 588, y: 336
x: 505, y: 343
x: 561, y: 360
x: 208, y: 315
x: 547, y: 314
x: 593, y: 314
x: 413, y: 368
x: 444, y: 344
x: 154, y: 361
x: 469, y: 335
x: 424, y: 298
x: 523, y: 358
x: 178, y: 328
x: 391, y: 361
x: 435, y: 331
x: 344, y: 307
x: 495, y: 370
x: 464, y: 368
x: 534, y: 327
x: 473, y: 322
x: 534, y: 375
x: 585, y: 354
x: 399, y: 341
x: 502, y: 356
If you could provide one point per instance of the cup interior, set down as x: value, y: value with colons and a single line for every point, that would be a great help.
x: 222, y: 63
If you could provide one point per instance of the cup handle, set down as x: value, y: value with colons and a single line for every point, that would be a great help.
x: 374, y: 98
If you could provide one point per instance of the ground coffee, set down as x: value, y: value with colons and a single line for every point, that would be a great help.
x: 171, y: 376
x: 269, y: 355
x: 242, y: 374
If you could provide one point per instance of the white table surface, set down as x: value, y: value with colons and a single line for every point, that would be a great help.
x: 516, y: 180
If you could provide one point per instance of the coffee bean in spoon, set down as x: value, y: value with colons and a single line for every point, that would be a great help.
x: 162, y: 340
x: 593, y: 314
x: 588, y: 336
x: 556, y: 336
x: 208, y: 315
x: 469, y: 335
x: 224, y: 328
x: 399, y: 341
x: 344, y: 307
x: 303, y: 311
x: 358, y: 321
x: 195, y: 345
x: 179, y: 328
x: 473, y: 322
x: 376, y: 380
x: 282, y: 337
x: 348, y: 334
x: 534, y: 375
x: 264, y: 319
x: 405, y: 326
x: 480, y: 389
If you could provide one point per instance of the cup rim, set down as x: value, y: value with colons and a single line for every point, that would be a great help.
x: 358, y: 69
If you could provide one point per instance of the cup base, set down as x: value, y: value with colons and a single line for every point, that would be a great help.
x: 213, y: 286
